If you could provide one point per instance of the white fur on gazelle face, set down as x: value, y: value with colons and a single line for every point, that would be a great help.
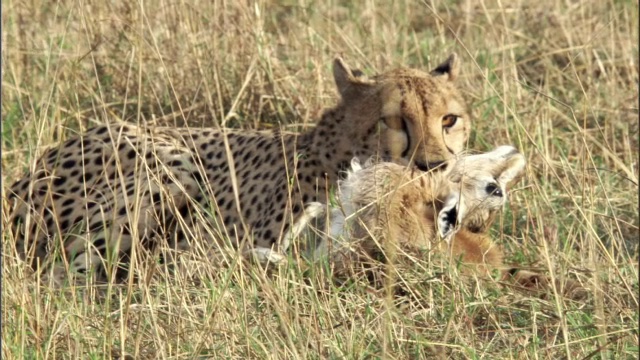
x: 480, y: 182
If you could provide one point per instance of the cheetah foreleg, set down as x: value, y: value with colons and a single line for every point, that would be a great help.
x: 311, y: 211
x: 268, y: 255
x: 264, y: 256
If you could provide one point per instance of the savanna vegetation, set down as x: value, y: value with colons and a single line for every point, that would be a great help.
x: 556, y: 79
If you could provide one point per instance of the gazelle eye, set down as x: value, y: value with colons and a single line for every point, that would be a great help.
x: 493, y: 190
x: 449, y: 120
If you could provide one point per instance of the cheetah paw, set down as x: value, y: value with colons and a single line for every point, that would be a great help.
x: 264, y: 256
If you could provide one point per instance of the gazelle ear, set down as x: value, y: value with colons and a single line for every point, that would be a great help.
x: 514, y: 170
x: 450, y: 216
x: 455, y: 176
x: 345, y: 78
x: 449, y: 68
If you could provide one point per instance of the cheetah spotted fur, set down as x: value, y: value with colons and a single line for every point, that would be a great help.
x: 96, y: 194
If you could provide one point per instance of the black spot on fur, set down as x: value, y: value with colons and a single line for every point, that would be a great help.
x: 52, y: 155
x: 98, y: 225
x: 66, y: 212
x: 197, y: 177
x: 59, y: 181
x: 71, y: 143
x: 49, y: 222
x: 85, y: 177
x: 68, y: 164
x: 101, y: 270
x: 184, y: 211
x: 17, y: 220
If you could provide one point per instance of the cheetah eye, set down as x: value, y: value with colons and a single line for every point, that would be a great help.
x: 449, y: 120
x: 494, y: 190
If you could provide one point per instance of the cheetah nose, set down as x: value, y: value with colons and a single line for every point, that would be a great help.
x: 427, y: 166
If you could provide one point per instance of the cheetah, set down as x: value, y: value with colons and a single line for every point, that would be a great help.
x: 96, y: 194
x: 389, y: 208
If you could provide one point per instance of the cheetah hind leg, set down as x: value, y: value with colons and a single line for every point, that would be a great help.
x: 276, y: 256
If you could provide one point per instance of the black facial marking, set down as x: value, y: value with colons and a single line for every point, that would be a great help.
x: 435, y: 165
x: 405, y: 128
x: 450, y: 220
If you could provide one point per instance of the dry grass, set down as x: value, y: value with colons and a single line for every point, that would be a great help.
x: 557, y: 79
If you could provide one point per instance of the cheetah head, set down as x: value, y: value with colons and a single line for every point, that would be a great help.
x: 406, y: 116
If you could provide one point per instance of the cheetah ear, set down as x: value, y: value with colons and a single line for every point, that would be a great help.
x: 345, y: 78
x: 449, y: 68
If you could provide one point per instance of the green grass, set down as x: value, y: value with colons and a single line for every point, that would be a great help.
x: 559, y: 80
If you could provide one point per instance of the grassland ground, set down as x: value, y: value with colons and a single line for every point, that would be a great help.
x: 557, y: 79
